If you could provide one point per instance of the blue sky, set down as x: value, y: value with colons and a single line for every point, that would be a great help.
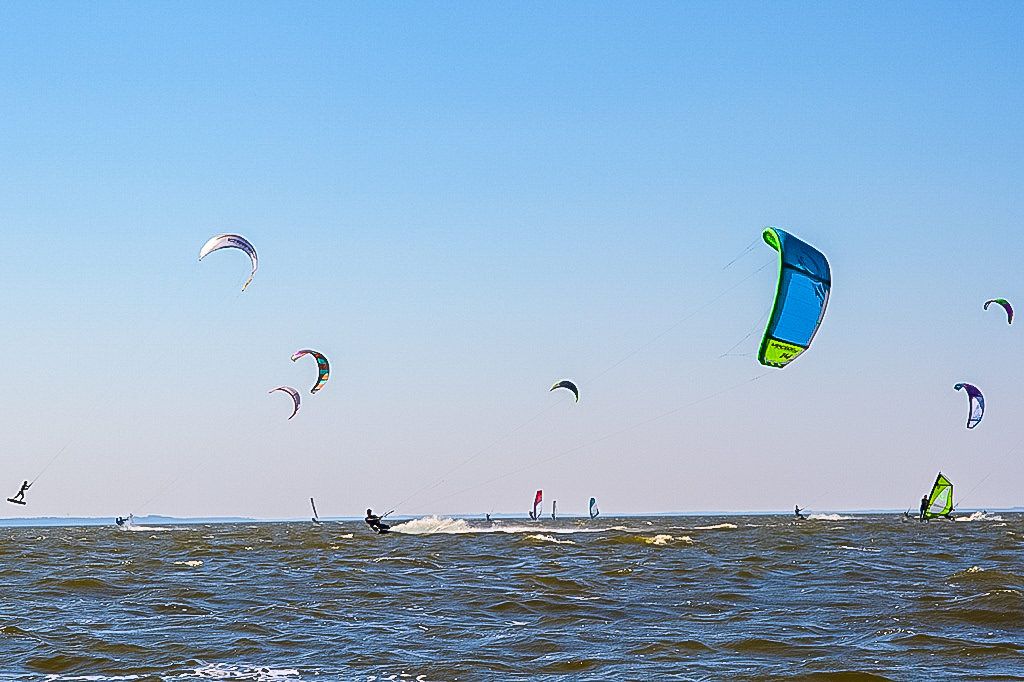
x: 461, y: 204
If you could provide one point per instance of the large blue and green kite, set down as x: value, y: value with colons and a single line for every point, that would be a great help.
x: 800, y: 298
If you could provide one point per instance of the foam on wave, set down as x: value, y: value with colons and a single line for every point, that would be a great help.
x: 435, y: 525
x: 548, y: 538
x: 980, y: 516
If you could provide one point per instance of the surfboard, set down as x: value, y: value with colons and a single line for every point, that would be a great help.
x: 14, y: 501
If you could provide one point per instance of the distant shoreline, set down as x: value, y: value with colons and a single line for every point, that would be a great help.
x: 158, y: 520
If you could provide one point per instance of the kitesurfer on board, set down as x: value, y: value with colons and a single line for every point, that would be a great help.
x: 796, y: 512
x: 924, y: 506
x: 376, y: 522
x: 20, y: 497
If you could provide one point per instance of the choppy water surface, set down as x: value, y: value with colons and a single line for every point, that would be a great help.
x: 667, y: 598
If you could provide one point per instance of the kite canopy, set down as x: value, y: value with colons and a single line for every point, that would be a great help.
x: 323, y: 367
x: 940, y: 499
x: 1006, y: 306
x: 293, y: 393
x: 975, y: 404
x: 232, y: 241
x: 801, y: 296
x: 569, y: 386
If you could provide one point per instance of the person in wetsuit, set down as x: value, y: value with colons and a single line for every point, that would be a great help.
x: 796, y: 512
x: 376, y: 522
x: 924, y: 506
x: 21, y: 493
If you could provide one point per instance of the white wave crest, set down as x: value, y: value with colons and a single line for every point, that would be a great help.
x: 193, y: 563
x: 980, y: 516
x: 434, y: 525
x: 251, y: 673
x: 829, y: 517
x: 717, y: 526
x: 662, y: 540
x: 548, y: 538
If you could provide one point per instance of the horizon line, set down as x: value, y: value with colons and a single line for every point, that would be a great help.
x: 102, y: 520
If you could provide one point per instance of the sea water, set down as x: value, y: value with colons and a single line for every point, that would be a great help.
x: 682, y: 598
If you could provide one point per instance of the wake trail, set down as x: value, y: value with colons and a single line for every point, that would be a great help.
x: 435, y: 525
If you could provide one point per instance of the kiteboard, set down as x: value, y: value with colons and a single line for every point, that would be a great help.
x: 382, y: 530
x: 14, y: 501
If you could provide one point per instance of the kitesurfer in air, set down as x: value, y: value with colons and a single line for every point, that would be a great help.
x: 376, y: 522
x: 796, y: 512
x: 20, y: 497
x: 924, y: 506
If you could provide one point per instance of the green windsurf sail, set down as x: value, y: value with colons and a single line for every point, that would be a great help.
x: 940, y: 500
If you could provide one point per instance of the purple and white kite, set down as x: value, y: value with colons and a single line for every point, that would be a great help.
x: 296, y: 400
x: 976, y: 404
x: 232, y: 241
